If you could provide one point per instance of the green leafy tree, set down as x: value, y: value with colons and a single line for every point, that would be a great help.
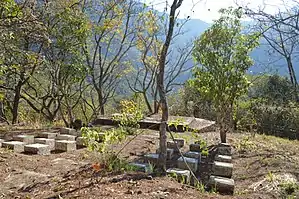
x: 223, y: 54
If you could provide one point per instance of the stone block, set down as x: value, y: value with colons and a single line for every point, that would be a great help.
x: 80, y: 141
x: 180, y: 142
x: 47, y: 135
x: 66, y: 137
x: 193, y: 154
x: 223, y: 158
x: 68, y: 131
x: 17, y: 146
x: 40, y: 149
x: 152, y: 158
x: 224, y: 149
x: 222, y: 185
x: 170, y: 153
x: 143, y: 167
x: 192, y: 163
x: 183, y: 176
x: 27, y: 139
x: 223, y: 169
x: 65, y: 145
x: 195, y: 147
x: 50, y: 142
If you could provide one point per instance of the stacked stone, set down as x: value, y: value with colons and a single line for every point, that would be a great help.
x: 222, y: 170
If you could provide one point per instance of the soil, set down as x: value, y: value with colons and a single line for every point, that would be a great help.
x: 71, y: 175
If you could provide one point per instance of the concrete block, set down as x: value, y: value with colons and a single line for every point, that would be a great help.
x: 65, y: 145
x: 27, y: 139
x: 40, y: 149
x: 222, y: 169
x: 195, y: 147
x: 222, y: 185
x: 80, y: 141
x: 223, y: 158
x: 143, y: 167
x: 224, y: 149
x: 68, y: 131
x: 17, y: 146
x: 50, y: 142
x: 152, y: 158
x: 170, y: 153
x: 180, y: 142
x: 172, y: 145
x: 193, y: 154
x: 192, y: 163
x: 47, y: 135
x: 66, y: 137
x: 183, y: 176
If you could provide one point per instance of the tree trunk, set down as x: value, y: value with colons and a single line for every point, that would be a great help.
x: 149, y: 107
x: 101, y: 102
x: 16, y: 102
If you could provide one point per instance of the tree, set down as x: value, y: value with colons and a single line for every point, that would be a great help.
x: 223, y: 54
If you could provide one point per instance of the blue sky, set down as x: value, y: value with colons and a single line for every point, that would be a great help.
x: 207, y: 10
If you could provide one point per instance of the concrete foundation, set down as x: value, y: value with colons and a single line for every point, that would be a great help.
x: 193, y: 154
x: 66, y: 137
x: 50, y: 142
x: 224, y: 149
x: 183, y: 176
x: 17, y: 146
x: 195, y: 147
x: 223, y: 169
x: 152, y: 158
x: 223, y: 158
x: 27, y: 139
x: 47, y: 135
x: 65, y: 145
x: 68, y: 131
x: 143, y: 167
x: 170, y: 153
x: 192, y: 162
x: 40, y: 149
x: 222, y: 185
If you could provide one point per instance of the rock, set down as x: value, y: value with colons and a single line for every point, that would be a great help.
x: 68, y: 131
x: 66, y: 137
x: 170, y: 153
x: 27, y: 139
x: 65, y: 145
x: 50, y: 142
x: 222, y: 169
x: 152, y: 158
x: 224, y: 149
x: 40, y: 149
x: 183, y: 176
x: 47, y: 135
x: 223, y: 158
x: 195, y: 147
x: 192, y: 162
x: 144, y: 167
x: 17, y: 146
x: 222, y: 185
x: 193, y: 154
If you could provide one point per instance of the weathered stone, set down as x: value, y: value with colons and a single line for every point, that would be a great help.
x: 169, y: 153
x: 223, y: 169
x: 80, y: 141
x: 47, y: 135
x: 17, y: 146
x: 143, y: 167
x: 68, y: 131
x: 65, y: 145
x: 222, y: 185
x: 223, y: 158
x: 195, y: 147
x: 66, y: 137
x: 27, y: 139
x: 192, y: 163
x: 40, y: 149
x: 224, y: 149
x: 193, y: 154
x: 180, y: 142
x: 152, y: 158
x: 50, y: 142
x: 181, y: 175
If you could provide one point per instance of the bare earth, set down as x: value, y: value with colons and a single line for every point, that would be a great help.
x: 70, y: 175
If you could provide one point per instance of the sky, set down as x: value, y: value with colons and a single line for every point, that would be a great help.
x: 207, y: 10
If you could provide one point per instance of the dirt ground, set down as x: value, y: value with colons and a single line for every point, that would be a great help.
x: 257, y: 164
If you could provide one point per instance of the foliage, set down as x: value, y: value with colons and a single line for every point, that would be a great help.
x: 223, y: 53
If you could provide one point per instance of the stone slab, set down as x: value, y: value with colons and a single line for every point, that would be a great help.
x: 47, y: 135
x: 222, y: 169
x: 152, y: 158
x: 65, y: 145
x: 223, y: 158
x: 193, y: 154
x: 66, y: 137
x: 224, y: 149
x: 50, y: 142
x: 27, y: 139
x: 181, y: 175
x: 195, y: 147
x: 143, y: 167
x: 192, y: 162
x: 170, y: 153
x: 222, y: 185
x: 17, y: 146
x: 40, y: 149
x: 68, y: 131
